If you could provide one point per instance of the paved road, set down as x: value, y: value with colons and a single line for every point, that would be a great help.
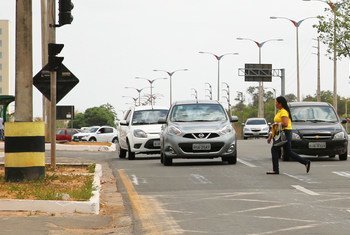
x: 209, y: 197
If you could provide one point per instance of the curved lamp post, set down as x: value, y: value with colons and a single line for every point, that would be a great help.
x: 135, y: 99
x: 195, y: 94
x: 151, y: 81
x: 138, y: 90
x: 218, y: 58
x: 210, y: 91
x: 227, y: 90
x: 261, y: 89
x: 274, y: 93
x: 333, y: 7
x: 296, y: 25
x: 170, y: 77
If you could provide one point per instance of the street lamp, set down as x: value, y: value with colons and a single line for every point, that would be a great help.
x: 227, y: 90
x: 210, y: 90
x: 135, y: 99
x: 138, y: 90
x: 274, y: 94
x: 334, y: 10
x: 170, y: 77
x: 151, y: 81
x: 261, y: 88
x: 296, y: 24
x: 195, y: 94
x: 218, y: 58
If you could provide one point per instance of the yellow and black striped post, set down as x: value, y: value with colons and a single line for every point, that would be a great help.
x: 24, y: 151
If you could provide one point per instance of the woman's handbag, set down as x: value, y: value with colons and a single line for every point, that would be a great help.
x: 279, y: 138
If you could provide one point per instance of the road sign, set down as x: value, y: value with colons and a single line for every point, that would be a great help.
x: 258, y: 72
x: 65, y: 81
x: 64, y: 112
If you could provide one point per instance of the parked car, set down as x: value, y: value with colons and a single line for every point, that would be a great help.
x: 256, y: 128
x: 65, y: 134
x: 139, y: 131
x: 97, y: 134
x: 198, y: 129
x: 317, y: 130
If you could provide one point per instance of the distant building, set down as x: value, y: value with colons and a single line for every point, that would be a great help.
x: 4, y: 58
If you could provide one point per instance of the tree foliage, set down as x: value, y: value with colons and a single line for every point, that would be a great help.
x: 326, y: 25
x: 96, y: 116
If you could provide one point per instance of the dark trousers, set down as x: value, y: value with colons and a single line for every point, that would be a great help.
x: 287, y: 149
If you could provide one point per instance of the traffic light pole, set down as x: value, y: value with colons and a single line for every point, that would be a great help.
x: 53, y: 81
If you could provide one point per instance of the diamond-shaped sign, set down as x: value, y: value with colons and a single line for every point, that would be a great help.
x: 65, y: 82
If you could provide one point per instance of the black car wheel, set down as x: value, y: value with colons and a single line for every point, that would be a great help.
x: 231, y: 159
x: 343, y: 157
x: 131, y: 155
x: 122, y: 152
x: 167, y: 161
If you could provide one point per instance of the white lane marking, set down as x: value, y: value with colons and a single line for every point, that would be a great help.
x: 287, y: 219
x: 304, y: 190
x: 289, y: 229
x: 200, y: 179
x: 342, y: 173
x: 134, y: 180
x: 305, y: 179
x: 245, y: 163
x: 348, y: 211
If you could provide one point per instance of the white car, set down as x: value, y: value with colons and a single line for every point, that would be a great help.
x: 139, y: 131
x: 97, y: 134
x: 256, y: 128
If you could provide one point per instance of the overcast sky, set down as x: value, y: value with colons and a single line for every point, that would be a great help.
x: 110, y: 42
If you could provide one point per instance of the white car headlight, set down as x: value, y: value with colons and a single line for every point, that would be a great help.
x: 295, y: 136
x: 339, y: 136
x: 266, y: 129
x: 174, y: 130
x: 246, y: 129
x: 227, y: 129
x: 140, y: 133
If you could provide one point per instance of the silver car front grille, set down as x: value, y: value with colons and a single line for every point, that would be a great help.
x: 201, y: 135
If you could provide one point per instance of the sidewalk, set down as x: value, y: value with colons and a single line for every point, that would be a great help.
x: 112, y: 219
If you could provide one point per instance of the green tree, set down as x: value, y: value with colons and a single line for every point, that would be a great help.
x: 96, y: 116
x: 326, y: 25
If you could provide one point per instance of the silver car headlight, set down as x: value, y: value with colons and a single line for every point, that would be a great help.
x: 246, y: 129
x: 140, y: 133
x: 172, y: 130
x: 295, y: 136
x: 227, y: 129
x: 339, y: 136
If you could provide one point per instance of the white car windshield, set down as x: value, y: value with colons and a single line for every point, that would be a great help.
x: 198, y: 113
x: 256, y: 122
x: 313, y: 114
x: 145, y: 117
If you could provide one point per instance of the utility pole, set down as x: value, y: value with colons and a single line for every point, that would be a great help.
x: 53, y: 82
x: 318, y: 71
x: 24, y: 62
x: 44, y: 42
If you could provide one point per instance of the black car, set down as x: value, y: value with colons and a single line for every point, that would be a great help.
x: 317, y: 130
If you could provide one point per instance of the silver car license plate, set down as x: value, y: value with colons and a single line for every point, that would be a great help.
x: 317, y: 145
x: 156, y: 143
x: 197, y: 147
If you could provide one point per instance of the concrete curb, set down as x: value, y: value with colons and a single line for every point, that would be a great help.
x: 89, y: 207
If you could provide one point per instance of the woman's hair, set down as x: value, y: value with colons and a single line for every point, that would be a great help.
x: 284, y: 103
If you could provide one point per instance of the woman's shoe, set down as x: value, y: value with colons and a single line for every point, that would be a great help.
x: 308, y: 166
x: 272, y: 172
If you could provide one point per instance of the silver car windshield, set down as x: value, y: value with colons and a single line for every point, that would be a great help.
x: 313, y: 114
x: 145, y: 117
x: 198, y: 113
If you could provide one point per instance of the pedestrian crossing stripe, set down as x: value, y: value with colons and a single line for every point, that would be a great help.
x: 343, y: 173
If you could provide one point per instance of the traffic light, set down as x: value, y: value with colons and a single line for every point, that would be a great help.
x: 54, y: 60
x: 64, y: 15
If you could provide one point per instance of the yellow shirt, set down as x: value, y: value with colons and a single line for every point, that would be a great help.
x: 278, y: 118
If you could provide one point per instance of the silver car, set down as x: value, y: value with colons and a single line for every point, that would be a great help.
x: 198, y: 129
